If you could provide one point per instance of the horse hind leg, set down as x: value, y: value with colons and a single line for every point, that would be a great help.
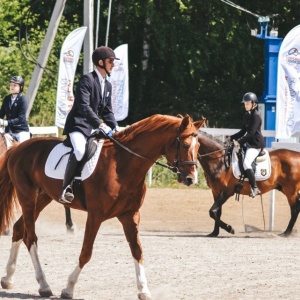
x: 69, y: 222
x: 8, y: 280
x: 295, y: 208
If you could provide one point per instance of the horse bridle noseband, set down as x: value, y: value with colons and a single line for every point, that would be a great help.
x: 176, y: 164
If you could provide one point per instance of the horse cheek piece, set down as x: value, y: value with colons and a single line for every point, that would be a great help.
x: 285, y: 177
x: 116, y: 188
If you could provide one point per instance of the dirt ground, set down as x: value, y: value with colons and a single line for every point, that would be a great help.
x: 181, y: 262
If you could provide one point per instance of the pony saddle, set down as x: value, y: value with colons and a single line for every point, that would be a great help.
x: 261, y: 165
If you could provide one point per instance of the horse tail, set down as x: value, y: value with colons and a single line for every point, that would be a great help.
x: 8, y: 199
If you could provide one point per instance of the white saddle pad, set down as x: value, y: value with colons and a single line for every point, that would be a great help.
x: 58, y: 151
x: 263, y: 168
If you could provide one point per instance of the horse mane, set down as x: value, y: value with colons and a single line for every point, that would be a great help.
x: 152, y: 123
x: 211, y: 139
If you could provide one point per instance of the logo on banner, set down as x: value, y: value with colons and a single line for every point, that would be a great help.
x: 292, y: 58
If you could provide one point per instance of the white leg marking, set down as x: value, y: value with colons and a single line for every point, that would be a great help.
x: 39, y: 274
x: 8, y: 280
x: 73, y: 278
x: 194, y: 143
x: 141, y: 278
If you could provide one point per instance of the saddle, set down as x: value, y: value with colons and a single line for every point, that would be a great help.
x: 261, y: 167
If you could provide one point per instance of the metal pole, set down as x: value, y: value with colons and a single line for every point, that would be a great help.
x: 97, y: 24
x: 272, y: 210
x: 44, y: 54
x: 108, y: 23
x: 88, y: 20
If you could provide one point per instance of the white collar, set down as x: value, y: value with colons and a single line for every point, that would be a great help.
x: 100, y: 76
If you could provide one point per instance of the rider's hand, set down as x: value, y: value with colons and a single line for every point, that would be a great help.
x: 3, y: 122
x: 116, y: 129
x: 106, y: 129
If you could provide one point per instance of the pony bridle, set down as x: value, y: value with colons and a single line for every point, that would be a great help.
x: 173, y: 167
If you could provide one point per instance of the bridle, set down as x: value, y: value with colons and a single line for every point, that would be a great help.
x: 174, y: 167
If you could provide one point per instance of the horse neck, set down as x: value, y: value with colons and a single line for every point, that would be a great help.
x: 213, y: 160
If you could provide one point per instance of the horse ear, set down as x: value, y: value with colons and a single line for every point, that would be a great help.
x: 199, y: 124
x: 179, y: 116
x: 185, y: 122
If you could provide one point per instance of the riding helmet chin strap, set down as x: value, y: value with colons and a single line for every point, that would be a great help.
x: 104, y: 67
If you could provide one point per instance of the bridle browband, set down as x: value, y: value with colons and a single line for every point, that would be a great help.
x: 176, y: 164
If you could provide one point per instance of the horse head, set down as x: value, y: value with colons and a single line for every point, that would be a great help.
x: 184, y: 156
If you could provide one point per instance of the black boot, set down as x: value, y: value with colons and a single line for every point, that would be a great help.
x: 254, y: 189
x: 67, y: 192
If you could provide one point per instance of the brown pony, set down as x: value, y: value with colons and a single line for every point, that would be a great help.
x: 285, y: 177
x: 115, y: 189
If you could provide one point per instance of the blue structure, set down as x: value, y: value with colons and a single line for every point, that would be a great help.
x: 271, y: 50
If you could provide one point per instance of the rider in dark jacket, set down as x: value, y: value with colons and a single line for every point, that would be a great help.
x: 251, y: 138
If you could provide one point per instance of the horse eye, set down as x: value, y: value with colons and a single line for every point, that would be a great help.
x: 186, y: 146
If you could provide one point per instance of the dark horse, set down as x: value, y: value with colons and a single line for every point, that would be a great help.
x: 6, y: 141
x: 285, y: 177
x: 116, y: 188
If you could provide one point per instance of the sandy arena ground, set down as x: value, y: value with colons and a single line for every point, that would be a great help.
x: 181, y: 262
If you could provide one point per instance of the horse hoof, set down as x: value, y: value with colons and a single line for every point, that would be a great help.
x: 144, y: 296
x: 46, y: 292
x: 70, y: 229
x: 66, y: 295
x: 284, y: 234
x: 213, y: 234
x: 6, y: 284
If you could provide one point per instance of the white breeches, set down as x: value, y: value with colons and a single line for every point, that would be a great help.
x: 251, y: 154
x: 22, y: 136
x: 78, y: 141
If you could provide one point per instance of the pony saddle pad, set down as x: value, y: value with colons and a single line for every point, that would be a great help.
x: 58, y: 158
x: 263, y: 166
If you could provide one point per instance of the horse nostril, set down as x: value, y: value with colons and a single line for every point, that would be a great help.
x: 189, y: 181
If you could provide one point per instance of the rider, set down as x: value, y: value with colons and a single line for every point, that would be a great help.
x: 92, y: 101
x: 251, y: 137
x: 14, y: 107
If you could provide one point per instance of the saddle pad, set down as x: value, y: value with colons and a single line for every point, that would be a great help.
x: 263, y: 168
x: 58, y: 151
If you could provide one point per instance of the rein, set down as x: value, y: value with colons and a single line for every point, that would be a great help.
x: 173, y: 168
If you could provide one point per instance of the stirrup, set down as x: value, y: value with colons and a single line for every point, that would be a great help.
x: 67, y: 195
x: 254, y: 192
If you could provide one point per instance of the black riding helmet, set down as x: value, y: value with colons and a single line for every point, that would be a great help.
x: 250, y: 97
x: 102, y: 53
x: 19, y: 80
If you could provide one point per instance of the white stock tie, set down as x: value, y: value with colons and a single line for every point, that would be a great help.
x: 102, y: 86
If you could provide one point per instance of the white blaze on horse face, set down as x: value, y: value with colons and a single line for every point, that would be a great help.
x: 194, y: 158
x: 141, y: 278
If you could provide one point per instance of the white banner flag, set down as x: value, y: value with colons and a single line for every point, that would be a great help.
x: 69, y: 57
x: 288, y: 86
x: 119, y: 82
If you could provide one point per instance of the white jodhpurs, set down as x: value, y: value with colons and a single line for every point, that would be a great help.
x: 22, y: 136
x: 251, y: 154
x: 78, y: 141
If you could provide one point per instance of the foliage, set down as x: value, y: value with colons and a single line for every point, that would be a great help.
x: 185, y: 56
x: 163, y: 177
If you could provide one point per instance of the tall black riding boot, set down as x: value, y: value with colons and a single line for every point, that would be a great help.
x: 254, y: 189
x: 67, y: 192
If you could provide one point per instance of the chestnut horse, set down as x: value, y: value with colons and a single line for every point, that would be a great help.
x: 6, y: 141
x: 285, y: 177
x: 116, y: 188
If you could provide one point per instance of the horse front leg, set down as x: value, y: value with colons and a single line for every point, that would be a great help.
x: 216, y: 230
x: 93, y: 223
x: 215, y: 213
x: 130, y: 222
